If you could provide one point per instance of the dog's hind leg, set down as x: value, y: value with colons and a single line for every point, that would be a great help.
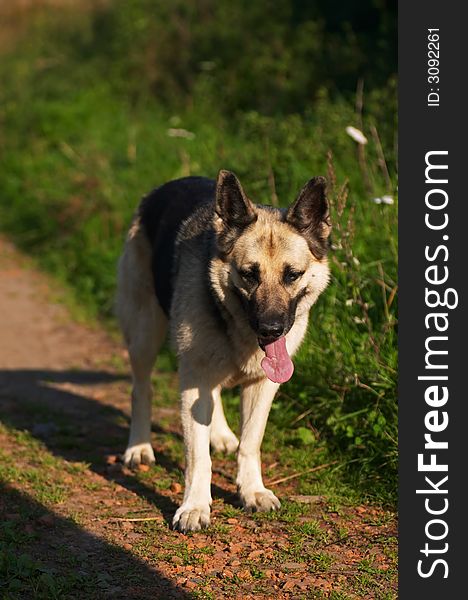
x: 144, y: 326
x: 145, y: 342
x: 222, y: 438
x: 256, y: 402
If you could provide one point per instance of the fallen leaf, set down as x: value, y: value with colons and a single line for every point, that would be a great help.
x: 244, y: 574
x: 191, y: 585
x: 288, y: 585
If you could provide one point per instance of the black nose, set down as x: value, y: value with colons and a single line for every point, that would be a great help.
x: 270, y: 329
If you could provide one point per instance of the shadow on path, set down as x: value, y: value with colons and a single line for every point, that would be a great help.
x: 45, y: 556
x: 80, y: 427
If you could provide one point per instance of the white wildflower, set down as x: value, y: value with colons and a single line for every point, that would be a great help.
x: 383, y: 200
x: 356, y: 134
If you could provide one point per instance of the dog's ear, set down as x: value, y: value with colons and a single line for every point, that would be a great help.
x: 233, y: 210
x: 309, y: 214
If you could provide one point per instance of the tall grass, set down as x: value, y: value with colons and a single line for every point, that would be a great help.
x: 78, y: 149
x: 346, y: 383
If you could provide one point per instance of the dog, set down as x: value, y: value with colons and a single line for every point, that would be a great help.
x: 233, y: 282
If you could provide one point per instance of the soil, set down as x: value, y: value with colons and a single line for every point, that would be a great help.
x: 66, y: 385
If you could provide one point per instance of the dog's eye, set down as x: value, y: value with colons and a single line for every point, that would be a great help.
x: 249, y: 275
x: 290, y: 275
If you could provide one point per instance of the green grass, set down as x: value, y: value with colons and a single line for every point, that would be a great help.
x: 79, y: 149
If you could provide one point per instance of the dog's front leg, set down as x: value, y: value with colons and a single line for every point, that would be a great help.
x: 197, y: 410
x: 256, y: 402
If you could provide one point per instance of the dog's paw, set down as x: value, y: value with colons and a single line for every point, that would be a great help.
x: 191, y: 518
x: 224, y: 441
x: 137, y: 455
x: 262, y: 500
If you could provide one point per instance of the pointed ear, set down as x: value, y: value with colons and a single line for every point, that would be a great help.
x: 233, y: 210
x: 309, y: 214
x: 232, y: 205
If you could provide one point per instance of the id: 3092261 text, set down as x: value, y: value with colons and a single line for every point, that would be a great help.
x: 433, y: 67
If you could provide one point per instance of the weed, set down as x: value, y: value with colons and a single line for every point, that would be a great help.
x: 321, y: 561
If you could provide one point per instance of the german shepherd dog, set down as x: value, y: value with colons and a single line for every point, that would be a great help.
x: 235, y: 282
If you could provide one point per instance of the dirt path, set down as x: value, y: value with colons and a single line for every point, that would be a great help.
x: 92, y: 529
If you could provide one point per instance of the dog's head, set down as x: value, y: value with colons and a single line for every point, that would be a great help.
x: 275, y: 258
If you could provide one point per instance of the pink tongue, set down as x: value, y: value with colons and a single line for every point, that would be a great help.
x: 277, y: 365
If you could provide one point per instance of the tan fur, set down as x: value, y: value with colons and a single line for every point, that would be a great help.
x: 210, y: 357
x: 255, y: 246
